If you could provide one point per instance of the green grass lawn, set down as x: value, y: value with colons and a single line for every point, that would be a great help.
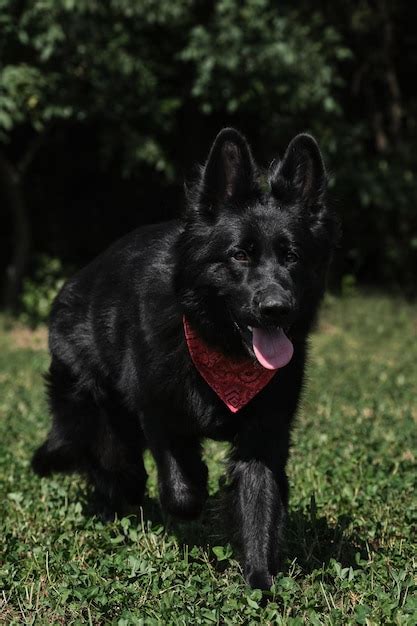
x: 351, y: 555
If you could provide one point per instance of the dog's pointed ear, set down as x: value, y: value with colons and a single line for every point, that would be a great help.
x: 301, y: 175
x: 229, y: 174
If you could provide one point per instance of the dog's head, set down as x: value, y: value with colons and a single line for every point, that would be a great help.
x: 254, y: 255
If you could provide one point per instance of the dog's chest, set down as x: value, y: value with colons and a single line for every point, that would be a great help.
x: 207, y: 413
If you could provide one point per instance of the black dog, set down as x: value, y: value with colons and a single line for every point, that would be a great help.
x: 241, y: 275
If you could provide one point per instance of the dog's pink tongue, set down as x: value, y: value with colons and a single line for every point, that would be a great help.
x: 272, y: 348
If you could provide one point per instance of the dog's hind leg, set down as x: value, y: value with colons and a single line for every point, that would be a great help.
x: 73, y: 416
x: 116, y: 468
x: 94, y: 436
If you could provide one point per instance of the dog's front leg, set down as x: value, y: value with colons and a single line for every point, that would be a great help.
x: 182, y: 475
x: 259, y: 490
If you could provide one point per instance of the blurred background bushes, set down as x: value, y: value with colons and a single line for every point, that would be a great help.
x: 105, y: 107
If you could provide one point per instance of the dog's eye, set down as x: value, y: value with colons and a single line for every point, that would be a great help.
x: 241, y: 256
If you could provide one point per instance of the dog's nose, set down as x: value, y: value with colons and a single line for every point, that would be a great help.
x: 273, y: 308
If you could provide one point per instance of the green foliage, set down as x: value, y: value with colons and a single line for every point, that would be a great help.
x: 90, y: 62
x: 145, y: 75
x: 223, y: 553
x: 250, y: 57
x: 122, y: 63
x: 39, y: 291
x: 351, y: 541
x: 348, y: 287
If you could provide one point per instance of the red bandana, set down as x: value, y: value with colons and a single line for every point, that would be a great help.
x: 235, y: 382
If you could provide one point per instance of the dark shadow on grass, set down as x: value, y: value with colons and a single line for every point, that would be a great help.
x: 313, y: 542
x: 207, y: 531
x: 310, y: 539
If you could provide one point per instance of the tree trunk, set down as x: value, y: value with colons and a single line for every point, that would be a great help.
x: 394, y: 105
x: 11, y: 181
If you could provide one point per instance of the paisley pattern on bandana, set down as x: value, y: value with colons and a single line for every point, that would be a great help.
x: 235, y: 382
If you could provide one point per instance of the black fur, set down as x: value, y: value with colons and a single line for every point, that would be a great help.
x: 121, y: 378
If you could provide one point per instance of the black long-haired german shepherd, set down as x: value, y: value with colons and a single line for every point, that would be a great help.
x: 197, y: 328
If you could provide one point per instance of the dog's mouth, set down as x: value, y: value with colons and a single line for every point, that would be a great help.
x: 270, y: 345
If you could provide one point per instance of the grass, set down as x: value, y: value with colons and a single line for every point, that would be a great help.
x: 351, y: 555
